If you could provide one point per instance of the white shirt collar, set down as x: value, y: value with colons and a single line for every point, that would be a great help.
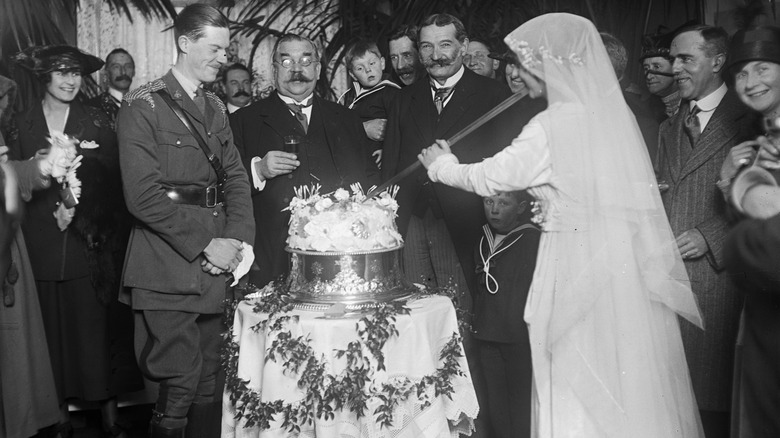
x: 306, y: 100
x: 187, y: 85
x: 306, y: 110
x: 233, y: 108
x: 712, y: 100
x: 118, y: 95
x: 452, y: 80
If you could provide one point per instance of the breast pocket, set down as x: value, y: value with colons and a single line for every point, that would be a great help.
x: 181, y: 160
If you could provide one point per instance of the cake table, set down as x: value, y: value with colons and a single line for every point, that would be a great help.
x: 412, y: 354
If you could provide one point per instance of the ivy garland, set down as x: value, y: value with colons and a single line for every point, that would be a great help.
x: 352, y: 388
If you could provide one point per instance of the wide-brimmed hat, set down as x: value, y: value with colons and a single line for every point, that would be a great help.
x: 761, y: 43
x: 46, y: 59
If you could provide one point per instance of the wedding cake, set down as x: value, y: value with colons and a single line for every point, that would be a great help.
x: 345, y: 248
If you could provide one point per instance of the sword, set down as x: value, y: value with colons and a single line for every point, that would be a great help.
x: 471, y: 127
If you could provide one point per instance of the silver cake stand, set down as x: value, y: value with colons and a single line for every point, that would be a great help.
x: 358, y: 280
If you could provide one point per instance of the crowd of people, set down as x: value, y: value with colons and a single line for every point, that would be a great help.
x: 614, y: 245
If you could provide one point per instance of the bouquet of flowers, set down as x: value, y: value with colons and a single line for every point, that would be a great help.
x: 62, y: 161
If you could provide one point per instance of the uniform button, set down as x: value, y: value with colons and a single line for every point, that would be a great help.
x: 178, y: 141
x: 208, y: 133
x: 289, y: 176
x: 215, y: 213
x: 286, y: 200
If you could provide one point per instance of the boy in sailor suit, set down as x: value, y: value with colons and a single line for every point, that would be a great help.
x: 505, y: 259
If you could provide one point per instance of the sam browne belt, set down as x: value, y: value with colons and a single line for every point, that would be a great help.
x: 202, y: 196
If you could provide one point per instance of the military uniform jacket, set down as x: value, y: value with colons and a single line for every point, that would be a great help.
x: 163, y: 262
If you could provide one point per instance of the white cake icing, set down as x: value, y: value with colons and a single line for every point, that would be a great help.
x: 342, y: 221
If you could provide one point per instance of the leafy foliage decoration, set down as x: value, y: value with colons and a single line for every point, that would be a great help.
x: 353, y: 388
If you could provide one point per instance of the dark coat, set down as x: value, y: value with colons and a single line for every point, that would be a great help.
x: 164, y: 254
x: 751, y: 253
x: 333, y: 154
x: 108, y: 104
x: 413, y: 125
x: 62, y: 255
x: 694, y: 201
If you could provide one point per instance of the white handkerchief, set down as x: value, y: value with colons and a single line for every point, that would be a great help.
x: 248, y: 255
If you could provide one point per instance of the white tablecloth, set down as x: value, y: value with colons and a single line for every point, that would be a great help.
x: 414, y: 353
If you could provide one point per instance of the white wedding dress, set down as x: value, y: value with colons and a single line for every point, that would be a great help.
x: 609, y: 283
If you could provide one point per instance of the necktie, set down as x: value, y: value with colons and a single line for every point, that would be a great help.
x: 298, y: 112
x: 200, y: 101
x: 440, y: 96
x: 692, y: 125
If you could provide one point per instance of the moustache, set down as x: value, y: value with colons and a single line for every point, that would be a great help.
x: 299, y: 77
x: 122, y: 78
x: 404, y: 71
x: 443, y: 62
x: 241, y: 93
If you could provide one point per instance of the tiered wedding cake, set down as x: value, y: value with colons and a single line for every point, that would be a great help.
x: 345, y: 248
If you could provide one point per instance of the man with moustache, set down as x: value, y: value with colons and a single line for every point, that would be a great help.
x: 692, y: 147
x: 120, y: 70
x: 404, y: 58
x: 440, y: 224
x: 331, y: 149
x: 238, y: 87
x: 193, y: 225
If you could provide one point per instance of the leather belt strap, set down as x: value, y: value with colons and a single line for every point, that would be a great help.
x: 211, y: 156
x: 205, y: 197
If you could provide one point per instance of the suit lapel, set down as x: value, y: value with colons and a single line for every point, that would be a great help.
x: 76, y: 125
x: 278, y: 117
x: 331, y: 128
x: 457, y: 107
x: 425, y: 117
x: 720, y: 131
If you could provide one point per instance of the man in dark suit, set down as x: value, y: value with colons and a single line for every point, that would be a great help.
x: 191, y: 229
x: 441, y: 224
x: 119, y: 70
x: 692, y: 146
x: 330, y: 148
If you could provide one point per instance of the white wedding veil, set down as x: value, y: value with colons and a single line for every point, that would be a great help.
x: 620, y: 274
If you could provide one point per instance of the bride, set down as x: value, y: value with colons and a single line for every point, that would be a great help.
x: 602, y: 311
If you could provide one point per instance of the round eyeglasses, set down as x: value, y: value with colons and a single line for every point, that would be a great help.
x: 305, y: 61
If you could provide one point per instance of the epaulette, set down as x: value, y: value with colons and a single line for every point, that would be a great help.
x: 145, y: 92
x: 218, y: 101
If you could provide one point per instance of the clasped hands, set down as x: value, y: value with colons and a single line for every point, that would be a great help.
x: 221, y: 255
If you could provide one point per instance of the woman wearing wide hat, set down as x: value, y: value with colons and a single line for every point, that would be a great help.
x: 72, y: 246
x: 753, y: 247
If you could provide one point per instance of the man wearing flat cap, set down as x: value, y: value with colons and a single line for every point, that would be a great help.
x: 189, y: 193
